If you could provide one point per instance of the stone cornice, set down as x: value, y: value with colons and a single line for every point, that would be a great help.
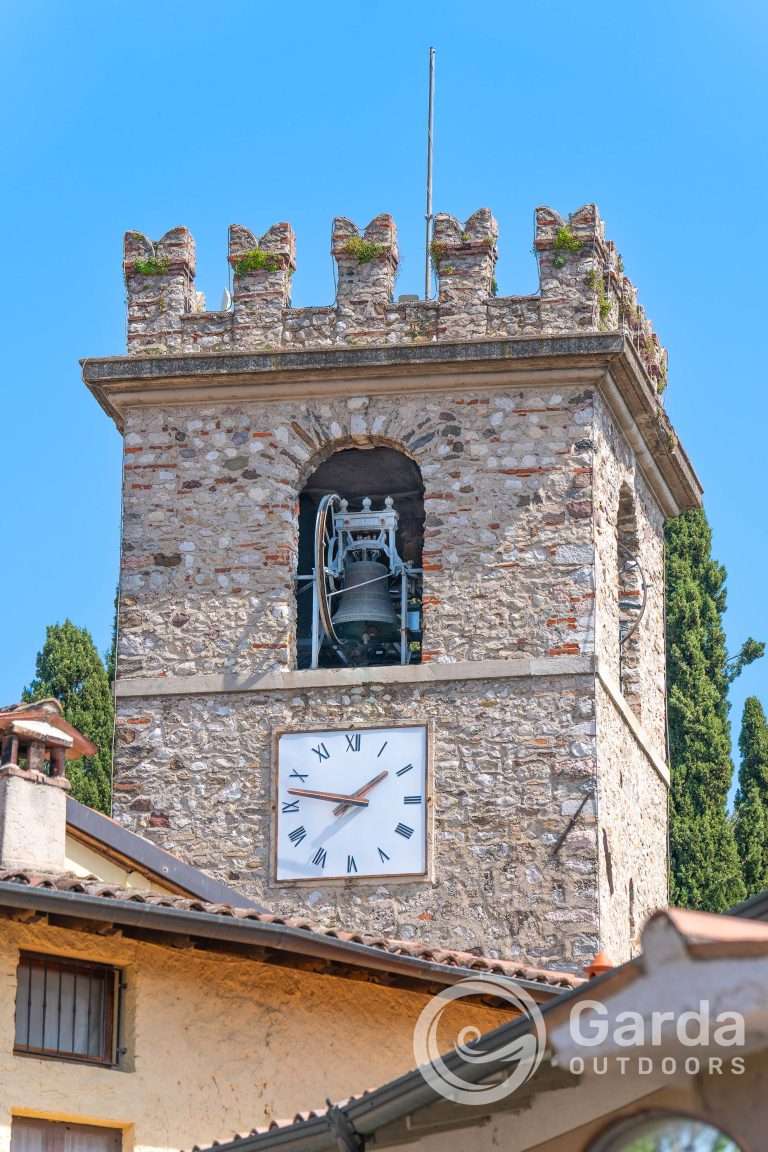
x: 295, y: 681
x: 607, y: 361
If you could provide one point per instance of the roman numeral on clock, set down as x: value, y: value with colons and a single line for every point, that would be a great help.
x: 298, y: 835
x: 353, y: 742
x: 382, y: 855
x: 351, y: 866
x: 382, y: 749
x: 411, y: 799
x: 290, y: 806
x: 321, y: 752
x: 320, y: 857
x: 299, y: 776
x: 402, y: 771
x: 404, y: 830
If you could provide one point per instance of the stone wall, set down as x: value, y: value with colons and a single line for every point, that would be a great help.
x: 211, y: 526
x: 514, y: 547
x: 582, y: 288
x: 512, y: 763
x: 522, y: 486
x: 616, y: 469
x: 632, y: 810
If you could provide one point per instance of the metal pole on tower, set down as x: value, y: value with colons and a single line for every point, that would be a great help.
x: 430, y: 131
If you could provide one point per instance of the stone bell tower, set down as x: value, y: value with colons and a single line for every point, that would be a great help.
x: 518, y: 699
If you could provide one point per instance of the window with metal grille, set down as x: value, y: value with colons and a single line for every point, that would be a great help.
x: 66, y: 1008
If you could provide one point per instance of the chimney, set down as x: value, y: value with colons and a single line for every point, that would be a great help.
x: 35, y: 743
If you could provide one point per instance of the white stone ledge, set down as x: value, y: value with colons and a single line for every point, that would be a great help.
x: 214, y: 683
x: 641, y: 736
x: 217, y: 683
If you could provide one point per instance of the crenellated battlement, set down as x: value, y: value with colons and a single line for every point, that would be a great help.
x: 582, y: 288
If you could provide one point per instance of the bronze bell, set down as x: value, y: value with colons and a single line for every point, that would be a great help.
x: 365, y: 607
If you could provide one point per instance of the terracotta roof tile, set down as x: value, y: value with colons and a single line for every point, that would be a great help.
x: 449, y: 957
x: 284, y: 1122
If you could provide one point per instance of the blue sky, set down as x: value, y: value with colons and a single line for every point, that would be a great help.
x: 146, y: 116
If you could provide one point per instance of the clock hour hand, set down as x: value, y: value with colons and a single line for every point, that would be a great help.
x: 332, y: 796
x: 356, y: 796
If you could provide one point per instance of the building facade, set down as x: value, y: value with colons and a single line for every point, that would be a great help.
x: 137, y: 1018
x: 525, y: 444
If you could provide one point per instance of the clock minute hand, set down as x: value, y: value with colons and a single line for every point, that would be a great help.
x: 355, y: 797
x: 332, y: 796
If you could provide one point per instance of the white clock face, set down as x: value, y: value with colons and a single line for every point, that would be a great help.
x: 352, y: 803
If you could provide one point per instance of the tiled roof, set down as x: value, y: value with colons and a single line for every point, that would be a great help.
x: 704, y: 936
x: 299, y: 1118
x: 417, y: 950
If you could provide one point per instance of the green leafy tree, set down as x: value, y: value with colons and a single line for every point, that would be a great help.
x: 69, y: 668
x: 704, y: 859
x: 752, y: 797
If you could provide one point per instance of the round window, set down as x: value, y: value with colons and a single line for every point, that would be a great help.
x: 664, y: 1133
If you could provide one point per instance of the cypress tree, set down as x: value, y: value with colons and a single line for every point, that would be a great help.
x: 752, y: 797
x: 704, y: 860
x: 110, y: 656
x: 69, y: 668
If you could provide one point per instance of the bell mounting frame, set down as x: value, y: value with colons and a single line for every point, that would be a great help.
x: 327, y: 561
x: 342, y: 536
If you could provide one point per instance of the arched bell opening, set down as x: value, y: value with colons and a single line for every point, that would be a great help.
x: 632, y: 595
x: 359, y: 586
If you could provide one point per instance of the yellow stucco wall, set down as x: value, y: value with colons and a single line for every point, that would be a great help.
x: 217, y: 1044
x: 86, y: 861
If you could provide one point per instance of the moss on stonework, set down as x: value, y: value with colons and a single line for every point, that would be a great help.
x: 363, y: 250
x: 256, y: 260
x: 437, y: 251
x: 594, y: 280
x: 566, y: 244
x: 151, y: 266
x: 603, y: 305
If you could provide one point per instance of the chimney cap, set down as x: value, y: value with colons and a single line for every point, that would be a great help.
x: 42, y: 731
x: 48, y: 725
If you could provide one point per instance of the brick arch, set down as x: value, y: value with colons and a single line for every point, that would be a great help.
x: 349, y: 440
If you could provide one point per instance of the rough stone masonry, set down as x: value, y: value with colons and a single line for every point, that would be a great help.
x: 544, y: 449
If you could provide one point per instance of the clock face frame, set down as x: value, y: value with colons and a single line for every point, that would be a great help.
x: 390, y: 838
